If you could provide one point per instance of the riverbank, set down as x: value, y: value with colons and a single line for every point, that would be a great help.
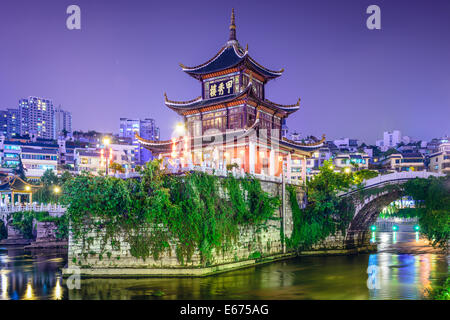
x: 441, y: 292
x: 401, y: 276
x: 207, y: 271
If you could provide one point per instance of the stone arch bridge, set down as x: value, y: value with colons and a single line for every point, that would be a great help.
x: 376, y: 195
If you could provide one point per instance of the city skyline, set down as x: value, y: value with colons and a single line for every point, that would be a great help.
x: 125, y: 57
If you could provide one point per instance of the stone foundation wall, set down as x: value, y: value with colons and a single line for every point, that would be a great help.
x: 14, y: 233
x: 340, y: 242
x: 45, y: 231
x: 251, y: 244
x: 251, y: 247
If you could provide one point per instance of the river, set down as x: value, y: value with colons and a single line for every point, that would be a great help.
x: 404, y: 267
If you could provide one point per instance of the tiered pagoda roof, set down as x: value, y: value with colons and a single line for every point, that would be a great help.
x: 245, y: 96
x: 16, y: 184
x: 231, y: 58
x: 165, y: 146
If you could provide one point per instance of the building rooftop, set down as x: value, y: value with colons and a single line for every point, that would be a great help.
x: 230, y: 56
x: 39, y: 151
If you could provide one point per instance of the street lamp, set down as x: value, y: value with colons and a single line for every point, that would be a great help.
x: 179, y: 128
x: 106, y: 142
x: 347, y: 170
x: 56, y: 191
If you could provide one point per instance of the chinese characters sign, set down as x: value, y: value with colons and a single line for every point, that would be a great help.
x: 220, y: 88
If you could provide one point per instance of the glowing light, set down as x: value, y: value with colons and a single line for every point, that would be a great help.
x: 373, y: 228
x: 174, y: 154
x: 106, y: 141
x: 102, y: 158
x: 179, y: 128
x: 29, y: 292
x: 58, y: 291
x: 347, y: 170
x: 242, y: 152
x: 417, y: 236
x: 416, y: 228
x: 27, y: 188
x: 227, y: 154
x: 331, y: 167
x: 394, y: 238
x: 4, y: 286
x: 56, y: 189
x: 395, y: 227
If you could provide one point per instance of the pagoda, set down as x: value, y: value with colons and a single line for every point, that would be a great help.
x: 232, y: 122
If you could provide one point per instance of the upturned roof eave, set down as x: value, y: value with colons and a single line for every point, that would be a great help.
x: 201, y: 70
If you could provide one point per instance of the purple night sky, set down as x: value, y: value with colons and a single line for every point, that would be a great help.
x: 353, y: 82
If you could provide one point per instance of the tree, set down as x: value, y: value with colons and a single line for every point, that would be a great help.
x: 364, y: 174
x: 116, y: 167
x: 49, y: 177
x: 65, y: 176
x: 325, y: 212
x: 46, y: 193
x: 432, y: 199
x: 390, y: 151
x: 19, y: 170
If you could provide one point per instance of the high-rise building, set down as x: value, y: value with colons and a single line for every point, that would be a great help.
x: 391, y: 139
x: 145, y: 128
x: 13, y: 122
x: 9, y: 123
x: 37, y: 116
x: 4, y: 123
x: 63, y: 121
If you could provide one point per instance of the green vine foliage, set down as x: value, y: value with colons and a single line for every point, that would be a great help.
x: 325, y: 213
x: 441, y: 292
x: 159, y: 211
x: 393, y: 211
x: 24, y: 222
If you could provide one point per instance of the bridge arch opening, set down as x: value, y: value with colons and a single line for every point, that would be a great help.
x: 377, y: 193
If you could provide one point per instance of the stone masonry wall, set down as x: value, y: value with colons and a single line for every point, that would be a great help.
x: 45, y: 231
x: 266, y: 242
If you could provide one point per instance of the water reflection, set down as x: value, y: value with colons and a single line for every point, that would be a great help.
x: 408, y: 270
x: 406, y: 267
x: 28, y: 274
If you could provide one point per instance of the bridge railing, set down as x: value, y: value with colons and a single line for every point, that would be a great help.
x: 392, y: 178
x: 397, y: 220
x: 53, y: 209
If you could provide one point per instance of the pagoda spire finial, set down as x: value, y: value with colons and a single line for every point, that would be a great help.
x: 232, y: 27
